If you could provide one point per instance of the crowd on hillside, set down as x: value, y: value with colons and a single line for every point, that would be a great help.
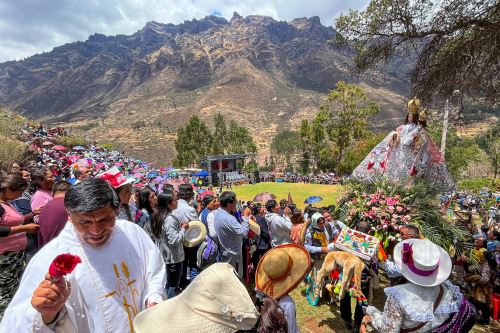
x: 157, y: 251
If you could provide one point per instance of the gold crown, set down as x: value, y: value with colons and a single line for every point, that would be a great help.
x: 413, y: 105
x: 422, y: 116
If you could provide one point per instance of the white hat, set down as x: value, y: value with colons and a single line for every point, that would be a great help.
x: 216, y: 301
x: 422, y: 262
x: 194, y: 234
x: 254, y: 227
x: 115, y: 178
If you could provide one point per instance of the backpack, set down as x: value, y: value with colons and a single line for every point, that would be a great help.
x: 208, y: 253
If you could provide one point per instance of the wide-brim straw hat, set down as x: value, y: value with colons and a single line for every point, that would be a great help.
x: 194, y: 234
x: 254, y: 227
x: 281, y: 270
x: 422, y: 262
x: 215, y: 302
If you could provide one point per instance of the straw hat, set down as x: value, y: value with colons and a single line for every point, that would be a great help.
x: 115, y: 178
x: 254, y: 227
x: 422, y: 262
x: 194, y: 234
x: 303, y: 231
x: 281, y: 269
x: 216, y: 301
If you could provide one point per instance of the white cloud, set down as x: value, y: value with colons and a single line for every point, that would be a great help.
x: 34, y: 26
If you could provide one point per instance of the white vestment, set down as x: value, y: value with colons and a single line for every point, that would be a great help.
x: 109, y: 288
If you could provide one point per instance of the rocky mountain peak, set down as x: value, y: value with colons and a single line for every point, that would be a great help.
x: 249, y: 68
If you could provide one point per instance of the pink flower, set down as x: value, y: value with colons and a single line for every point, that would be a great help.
x: 392, y: 201
x: 406, y: 218
x: 382, y: 202
x: 399, y: 209
x: 391, y: 209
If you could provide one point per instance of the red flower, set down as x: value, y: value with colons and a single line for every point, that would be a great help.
x: 370, y: 165
x: 63, y: 264
x: 414, y: 171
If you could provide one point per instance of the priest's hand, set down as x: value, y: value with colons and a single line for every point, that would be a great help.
x: 49, y: 297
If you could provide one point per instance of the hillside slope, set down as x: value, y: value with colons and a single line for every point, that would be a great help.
x: 136, y: 90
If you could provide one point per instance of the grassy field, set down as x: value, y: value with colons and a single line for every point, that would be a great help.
x: 299, y: 192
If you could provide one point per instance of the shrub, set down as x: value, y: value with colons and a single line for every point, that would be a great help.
x: 71, y: 141
x: 10, y: 151
x: 88, y: 126
x: 477, y: 184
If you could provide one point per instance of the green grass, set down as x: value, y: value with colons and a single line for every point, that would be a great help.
x: 299, y: 192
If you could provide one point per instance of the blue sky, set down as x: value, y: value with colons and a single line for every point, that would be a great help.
x: 33, y: 26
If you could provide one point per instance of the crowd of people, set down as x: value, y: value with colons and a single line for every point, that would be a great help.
x: 326, y: 178
x: 159, y: 252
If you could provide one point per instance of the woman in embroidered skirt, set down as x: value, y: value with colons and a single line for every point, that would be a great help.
x: 427, y: 302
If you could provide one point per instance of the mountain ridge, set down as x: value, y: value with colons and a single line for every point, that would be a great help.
x: 254, y: 69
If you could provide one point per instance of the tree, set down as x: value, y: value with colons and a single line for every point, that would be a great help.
x: 239, y: 140
x: 455, y: 42
x: 285, y: 145
x: 194, y: 142
x: 345, y: 117
x: 460, y: 151
x: 305, y: 147
x: 251, y: 166
x: 220, y: 135
x: 490, y: 143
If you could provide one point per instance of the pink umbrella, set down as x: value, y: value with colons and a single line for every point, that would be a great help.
x: 207, y: 192
x: 59, y: 148
x: 175, y: 183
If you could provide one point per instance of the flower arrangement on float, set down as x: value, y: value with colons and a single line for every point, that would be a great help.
x: 387, y: 207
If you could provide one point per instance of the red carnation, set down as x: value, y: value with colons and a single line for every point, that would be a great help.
x: 63, y: 264
x: 370, y: 165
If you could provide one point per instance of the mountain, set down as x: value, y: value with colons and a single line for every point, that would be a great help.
x: 134, y: 91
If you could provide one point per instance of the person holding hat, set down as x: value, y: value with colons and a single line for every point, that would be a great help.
x: 168, y: 234
x: 185, y: 212
x: 427, y: 302
x: 230, y: 231
x: 216, y: 301
x: 280, y: 271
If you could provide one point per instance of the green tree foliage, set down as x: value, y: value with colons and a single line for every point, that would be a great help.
x: 305, y: 147
x: 220, y: 135
x: 251, y: 166
x: 460, y: 151
x: 345, y: 118
x: 340, y: 124
x: 355, y: 155
x: 193, y: 143
x: 455, y: 42
x: 285, y: 145
x: 239, y: 140
x: 490, y: 143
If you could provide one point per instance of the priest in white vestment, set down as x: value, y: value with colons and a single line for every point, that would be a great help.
x: 122, y: 272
